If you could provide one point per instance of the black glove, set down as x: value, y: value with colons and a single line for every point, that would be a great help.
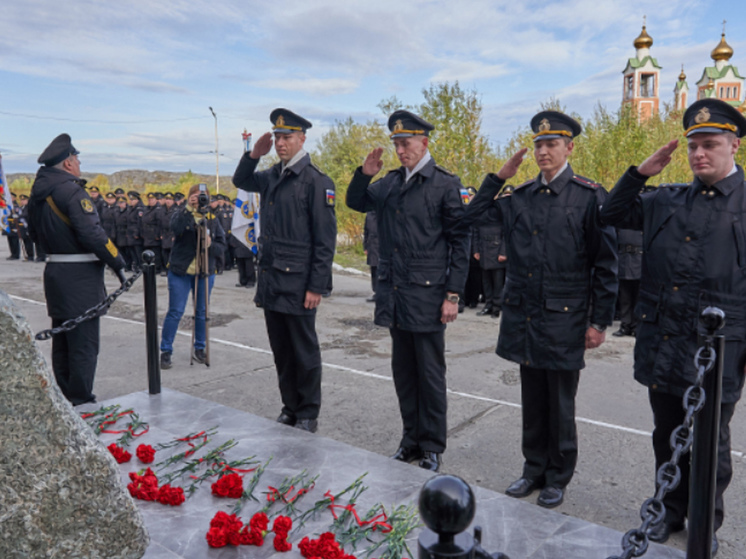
x: 121, y: 275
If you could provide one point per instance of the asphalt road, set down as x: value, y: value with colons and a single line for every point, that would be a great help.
x: 615, y: 468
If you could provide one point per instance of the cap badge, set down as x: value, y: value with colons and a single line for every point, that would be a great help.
x: 702, y: 116
x: 280, y: 122
x: 398, y: 126
x: 544, y: 125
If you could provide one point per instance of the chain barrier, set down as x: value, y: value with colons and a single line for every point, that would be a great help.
x: 635, y: 542
x: 93, y: 312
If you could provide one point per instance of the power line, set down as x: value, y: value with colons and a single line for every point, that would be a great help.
x: 89, y: 121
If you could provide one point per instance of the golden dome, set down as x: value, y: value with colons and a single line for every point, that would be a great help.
x: 682, y: 75
x: 643, y: 41
x: 723, y: 51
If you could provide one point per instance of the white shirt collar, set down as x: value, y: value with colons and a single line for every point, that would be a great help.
x: 297, y: 157
x: 562, y: 170
x: 422, y: 162
x: 733, y: 170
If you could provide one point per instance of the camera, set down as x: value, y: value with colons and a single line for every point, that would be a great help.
x: 203, y: 198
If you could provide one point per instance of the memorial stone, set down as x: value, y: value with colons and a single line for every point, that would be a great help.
x: 61, y: 493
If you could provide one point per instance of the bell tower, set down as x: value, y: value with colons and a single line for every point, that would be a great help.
x: 641, y: 78
x: 721, y: 81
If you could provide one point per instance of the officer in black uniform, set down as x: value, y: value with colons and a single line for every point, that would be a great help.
x: 12, y: 233
x: 151, y: 228
x: 122, y: 241
x: 135, y: 212
x: 97, y: 199
x: 108, y: 217
x: 296, y: 250
x: 27, y: 243
x: 64, y: 221
x: 492, y: 258
x: 558, y: 300
x: 694, y: 241
x: 370, y: 246
x: 422, y: 268
x: 630, y: 270
x: 167, y: 235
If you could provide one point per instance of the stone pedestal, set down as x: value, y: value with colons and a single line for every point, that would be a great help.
x: 60, y: 489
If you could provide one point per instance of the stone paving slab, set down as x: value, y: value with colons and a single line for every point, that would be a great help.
x: 519, y: 529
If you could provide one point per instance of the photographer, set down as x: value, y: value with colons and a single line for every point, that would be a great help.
x: 183, y: 270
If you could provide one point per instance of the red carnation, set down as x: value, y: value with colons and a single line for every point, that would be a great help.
x: 282, y: 525
x: 230, y: 486
x: 217, y: 537
x: 145, y: 453
x: 282, y: 544
x: 259, y: 522
x: 173, y: 496
x: 119, y: 454
x: 144, y: 487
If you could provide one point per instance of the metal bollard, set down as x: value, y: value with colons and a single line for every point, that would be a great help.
x: 151, y: 322
x: 447, y: 507
x: 702, y: 482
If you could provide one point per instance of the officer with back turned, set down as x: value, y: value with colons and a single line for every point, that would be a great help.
x: 296, y: 250
x: 64, y: 221
x: 694, y: 256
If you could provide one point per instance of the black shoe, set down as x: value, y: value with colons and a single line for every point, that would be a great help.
x: 485, y: 311
x: 13, y: 258
x: 310, y: 425
x: 240, y: 285
x: 496, y: 314
x: 286, y: 419
x: 165, y: 360
x: 407, y: 454
x: 662, y: 531
x: 551, y: 497
x: 430, y: 461
x: 250, y: 284
x: 522, y: 488
x: 371, y: 299
x: 472, y: 305
x: 199, y: 355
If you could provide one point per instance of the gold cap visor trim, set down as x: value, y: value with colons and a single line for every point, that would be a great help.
x: 402, y: 131
x: 730, y: 127
x: 552, y: 132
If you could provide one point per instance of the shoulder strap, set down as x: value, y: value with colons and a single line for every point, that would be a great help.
x: 57, y: 211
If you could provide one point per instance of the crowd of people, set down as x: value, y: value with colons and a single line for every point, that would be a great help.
x: 549, y: 258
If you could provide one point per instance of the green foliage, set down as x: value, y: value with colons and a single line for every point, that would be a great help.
x: 101, y: 181
x: 21, y: 186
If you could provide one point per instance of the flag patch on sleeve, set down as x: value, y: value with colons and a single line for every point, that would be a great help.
x: 330, y: 198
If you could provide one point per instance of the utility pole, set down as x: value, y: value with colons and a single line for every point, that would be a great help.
x: 217, y: 155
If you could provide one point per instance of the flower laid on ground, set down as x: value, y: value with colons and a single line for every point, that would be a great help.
x: 281, y: 527
x: 145, y: 488
x: 227, y: 529
x: 325, y: 547
x: 145, y: 453
x: 119, y: 454
x: 230, y: 485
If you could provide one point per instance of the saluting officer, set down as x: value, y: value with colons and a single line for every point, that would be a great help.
x: 558, y: 299
x: 296, y: 250
x: 64, y: 221
x: 694, y: 241
x: 422, y: 267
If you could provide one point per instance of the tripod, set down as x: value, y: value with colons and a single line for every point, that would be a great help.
x: 202, y: 274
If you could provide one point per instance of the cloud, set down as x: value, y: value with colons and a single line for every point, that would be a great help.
x: 313, y: 86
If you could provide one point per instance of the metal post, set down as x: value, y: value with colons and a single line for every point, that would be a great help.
x: 151, y: 322
x: 702, y: 482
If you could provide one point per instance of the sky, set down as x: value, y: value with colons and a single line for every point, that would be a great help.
x: 132, y: 82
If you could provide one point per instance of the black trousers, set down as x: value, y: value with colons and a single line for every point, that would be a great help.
x: 418, y: 365
x: 628, y: 291
x: 374, y: 278
x: 473, y: 287
x: 165, y: 255
x: 41, y: 256
x: 668, y: 414
x: 133, y: 257
x: 14, y: 246
x: 246, y: 270
x: 550, y: 439
x: 28, y: 245
x: 74, y: 357
x: 298, y: 361
x: 493, y: 282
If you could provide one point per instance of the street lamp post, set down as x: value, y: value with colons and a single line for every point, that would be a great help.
x: 217, y: 156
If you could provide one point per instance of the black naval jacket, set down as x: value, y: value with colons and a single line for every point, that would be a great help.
x: 423, y: 254
x: 562, y: 268
x: 489, y: 241
x: 167, y: 236
x: 694, y: 243
x: 630, y: 253
x: 298, y: 233
x: 184, y: 250
x: 120, y: 220
x: 73, y: 228
x: 134, y: 224
x: 150, y: 224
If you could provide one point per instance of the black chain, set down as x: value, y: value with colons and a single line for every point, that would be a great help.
x: 653, y: 511
x: 93, y: 312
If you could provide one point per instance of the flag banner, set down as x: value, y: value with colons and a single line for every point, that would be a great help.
x: 6, y: 203
x: 245, y: 225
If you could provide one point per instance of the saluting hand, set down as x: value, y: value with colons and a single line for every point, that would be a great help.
x: 373, y: 163
x: 658, y: 161
x: 262, y: 146
x: 510, y: 168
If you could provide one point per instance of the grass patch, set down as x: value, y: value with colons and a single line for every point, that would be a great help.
x: 351, y: 257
